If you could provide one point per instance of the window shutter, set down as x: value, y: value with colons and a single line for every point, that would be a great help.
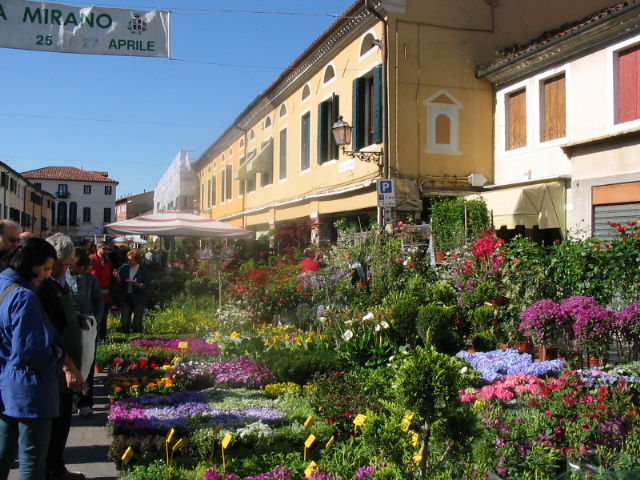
x: 358, y: 121
x: 324, y: 112
x: 517, y: 126
x: 555, y: 124
x: 335, y: 112
x: 628, y: 85
x: 377, y: 105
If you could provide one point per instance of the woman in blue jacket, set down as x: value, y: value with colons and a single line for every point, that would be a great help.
x: 133, y: 286
x: 31, y: 362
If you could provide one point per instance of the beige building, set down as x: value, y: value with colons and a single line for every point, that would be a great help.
x: 24, y: 202
x: 567, y: 127
x: 402, y: 73
x: 134, y: 205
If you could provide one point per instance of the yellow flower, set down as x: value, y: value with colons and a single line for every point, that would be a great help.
x: 234, y: 335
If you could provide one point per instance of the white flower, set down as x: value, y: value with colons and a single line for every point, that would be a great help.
x: 347, y: 335
x: 368, y: 316
x: 463, y: 370
x: 348, y: 322
x: 384, y: 324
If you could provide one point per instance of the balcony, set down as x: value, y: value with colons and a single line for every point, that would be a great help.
x: 62, y: 194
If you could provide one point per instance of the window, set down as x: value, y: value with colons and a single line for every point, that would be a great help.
x: 516, y: 120
x: 73, y: 214
x: 283, y: 155
x: 3, y: 179
x: 108, y: 190
x: 305, y: 141
x: 241, y: 146
x: 443, y: 113
x: 329, y: 74
x: 306, y: 93
x: 13, y: 185
x: 107, y: 215
x: 62, y: 214
x: 628, y: 85
x: 87, y: 189
x: 63, y: 191
x: 327, y: 115
x: 214, y: 182
x: 283, y: 110
x: 267, y: 122
x: 367, y: 44
x: 252, y: 134
x: 208, y: 190
x: 229, y: 181
x: 554, y: 116
x: 367, y: 109
x: 86, y: 214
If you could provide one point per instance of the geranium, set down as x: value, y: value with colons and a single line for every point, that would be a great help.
x: 542, y: 321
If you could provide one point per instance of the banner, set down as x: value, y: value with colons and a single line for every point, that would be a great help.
x: 53, y: 27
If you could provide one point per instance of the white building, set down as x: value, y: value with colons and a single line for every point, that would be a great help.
x: 176, y: 190
x: 84, y: 200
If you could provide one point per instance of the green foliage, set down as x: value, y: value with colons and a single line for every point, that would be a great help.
x: 200, y: 287
x: 165, y: 286
x: 344, y: 458
x: 405, y: 317
x: 301, y: 368
x: 451, y: 227
x: 180, y: 319
x: 484, y: 342
x: 440, y: 293
x: 437, y: 327
x: 481, y: 319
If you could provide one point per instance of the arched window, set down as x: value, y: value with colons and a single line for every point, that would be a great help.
x: 73, y: 214
x: 267, y: 122
x: 367, y: 44
x: 62, y: 214
x: 241, y: 144
x: 443, y: 118
x: 306, y: 93
x: 329, y: 74
x: 283, y: 110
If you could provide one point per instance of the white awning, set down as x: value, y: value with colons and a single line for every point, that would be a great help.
x: 542, y: 205
x: 263, y: 162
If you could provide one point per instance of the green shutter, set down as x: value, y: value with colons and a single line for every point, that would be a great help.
x: 359, y: 111
x: 324, y: 111
x: 376, y: 136
x: 335, y: 112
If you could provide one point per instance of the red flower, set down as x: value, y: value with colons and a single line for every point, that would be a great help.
x: 621, y: 229
x: 346, y: 414
x: 282, y: 301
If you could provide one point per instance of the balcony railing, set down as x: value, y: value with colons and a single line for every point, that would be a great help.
x: 62, y: 194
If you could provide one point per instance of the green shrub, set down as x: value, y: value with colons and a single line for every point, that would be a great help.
x: 200, y: 287
x: 484, y: 342
x: 165, y: 286
x: 436, y: 326
x: 441, y: 293
x: 302, y: 367
x: 484, y: 292
x: 405, y: 316
x: 481, y: 318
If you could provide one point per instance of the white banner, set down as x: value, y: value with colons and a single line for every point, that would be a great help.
x: 53, y: 27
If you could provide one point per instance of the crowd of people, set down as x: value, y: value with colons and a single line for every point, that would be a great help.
x: 54, y: 301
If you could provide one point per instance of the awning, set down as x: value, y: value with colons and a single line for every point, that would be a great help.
x: 542, y: 205
x: 242, y: 173
x: 263, y: 162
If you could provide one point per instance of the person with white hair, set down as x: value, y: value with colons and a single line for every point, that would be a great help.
x: 57, y: 300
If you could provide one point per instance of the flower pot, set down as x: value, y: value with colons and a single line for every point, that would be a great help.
x: 524, y: 347
x: 547, y: 353
x: 439, y: 257
x: 112, y: 400
x: 99, y: 368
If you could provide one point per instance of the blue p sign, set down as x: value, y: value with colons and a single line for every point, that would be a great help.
x: 386, y: 186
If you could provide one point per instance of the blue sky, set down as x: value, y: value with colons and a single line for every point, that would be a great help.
x: 130, y: 116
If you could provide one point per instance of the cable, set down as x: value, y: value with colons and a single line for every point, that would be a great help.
x: 104, y: 120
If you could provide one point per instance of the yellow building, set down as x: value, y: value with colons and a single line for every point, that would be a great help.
x: 402, y: 74
x: 24, y: 202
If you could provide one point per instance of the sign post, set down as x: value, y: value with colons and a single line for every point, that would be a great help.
x: 386, y: 189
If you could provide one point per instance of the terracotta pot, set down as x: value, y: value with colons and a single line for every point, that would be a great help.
x: 112, y: 400
x: 548, y: 353
x: 99, y: 368
x: 524, y: 347
x: 439, y: 257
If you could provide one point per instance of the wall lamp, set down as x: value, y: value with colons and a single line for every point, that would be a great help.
x: 342, y: 132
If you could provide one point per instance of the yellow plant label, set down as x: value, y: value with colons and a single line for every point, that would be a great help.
x: 128, y: 454
x: 309, y: 441
x: 414, y: 438
x: 226, y: 441
x: 359, y: 420
x: 177, y: 445
x: 310, y: 469
x: 330, y: 443
x: 183, y: 345
x: 170, y: 435
x: 308, y: 422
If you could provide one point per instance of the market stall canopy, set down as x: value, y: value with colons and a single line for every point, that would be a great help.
x: 542, y: 205
x: 177, y: 224
x: 137, y: 239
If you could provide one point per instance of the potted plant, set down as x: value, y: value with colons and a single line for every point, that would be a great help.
x: 541, y: 323
x: 102, y: 357
x: 593, y: 329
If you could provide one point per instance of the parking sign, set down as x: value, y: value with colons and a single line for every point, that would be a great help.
x: 386, y: 192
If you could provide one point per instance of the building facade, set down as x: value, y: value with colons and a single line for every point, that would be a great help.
x: 134, y: 205
x: 402, y: 73
x: 177, y: 188
x: 24, y: 202
x: 84, y: 200
x: 567, y: 123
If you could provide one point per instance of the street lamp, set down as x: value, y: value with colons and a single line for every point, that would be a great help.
x: 342, y: 132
